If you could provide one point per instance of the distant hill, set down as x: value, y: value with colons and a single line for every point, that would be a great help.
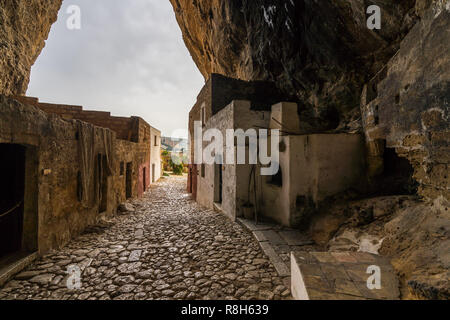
x: 174, y: 144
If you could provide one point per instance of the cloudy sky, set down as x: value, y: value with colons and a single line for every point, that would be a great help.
x: 128, y: 58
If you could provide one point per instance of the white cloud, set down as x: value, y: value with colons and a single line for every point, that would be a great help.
x: 128, y: 58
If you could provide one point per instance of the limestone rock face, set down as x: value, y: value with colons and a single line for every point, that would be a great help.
x: 320, y: 52
x: 24, y: 27
x: 410, y: 109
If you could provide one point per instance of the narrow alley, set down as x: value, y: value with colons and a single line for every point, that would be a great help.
x: 167, y: 248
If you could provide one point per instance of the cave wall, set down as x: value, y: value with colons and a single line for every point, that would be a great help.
x: 409, y: 107
x: 319, y: 52
x: 322, y: 54
x: 24, y: 27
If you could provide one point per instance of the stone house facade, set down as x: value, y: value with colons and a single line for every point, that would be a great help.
x: 155, y: 155
x: 308, y: 175
x: 67, y: 168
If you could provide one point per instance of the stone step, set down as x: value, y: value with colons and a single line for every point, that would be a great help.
x: 14, y: 264
x: 342, y: 276
x: 277, y: 242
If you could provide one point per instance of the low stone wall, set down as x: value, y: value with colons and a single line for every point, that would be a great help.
x: 132, y: 129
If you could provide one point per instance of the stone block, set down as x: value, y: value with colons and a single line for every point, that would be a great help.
x: 284, y: 116
x: 340, y: 276
x: 273, y: 237
x: 294, y: 238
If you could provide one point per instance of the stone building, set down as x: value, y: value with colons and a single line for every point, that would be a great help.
x: 397, y: 134
x: 155, y: 155
x: 309, y: 172
x: 64, y: 169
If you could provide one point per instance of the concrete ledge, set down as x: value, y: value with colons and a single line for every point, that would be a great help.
x: 14, y: 264
x: 262, y: 233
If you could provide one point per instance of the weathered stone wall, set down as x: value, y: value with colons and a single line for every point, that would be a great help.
x: 139, y: 156
x: 235, y: 177
x: 203, y: 100
x: 132, y: 129
x: 155, y: 154
x: 24, y: 27
x: 206, y: 176
x: 319, y: 51
x: 409, y: 106
x: 311, y: 175
x: 308, y: 165
x: 58, y: 211
x: 219, y: 91
x: 261, y: 94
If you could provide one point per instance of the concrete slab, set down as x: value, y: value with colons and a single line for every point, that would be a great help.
x: 259, y: 235
x: 273, y: 237
x: 14, y: 264
x: 277, y: 243
x: 250, y: 225
x: 341, y: 276
x: 280, y: 266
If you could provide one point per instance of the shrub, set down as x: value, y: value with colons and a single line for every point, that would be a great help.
x: 178, y: 169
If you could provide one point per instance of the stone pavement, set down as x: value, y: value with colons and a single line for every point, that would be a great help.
x: 169, y: 248
x: 278, y: 242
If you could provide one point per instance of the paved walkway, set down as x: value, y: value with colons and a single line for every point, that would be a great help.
x: 169, y: 248
x: 278, y: 242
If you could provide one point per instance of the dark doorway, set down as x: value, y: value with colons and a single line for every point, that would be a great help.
x: 128, y: 180
x: 192, y: 185
x: 144, y: 178
x: 398, y: 174
x: 12, y: 190
x: 218, y: 176
x: 103, y: 182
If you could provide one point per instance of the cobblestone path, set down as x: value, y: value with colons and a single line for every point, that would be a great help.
x: 169, y: 248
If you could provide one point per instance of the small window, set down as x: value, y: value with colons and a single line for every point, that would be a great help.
x: 203, y: 170
x: 156, y: 141
x: 122, y: 168
x: 277, y: 179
